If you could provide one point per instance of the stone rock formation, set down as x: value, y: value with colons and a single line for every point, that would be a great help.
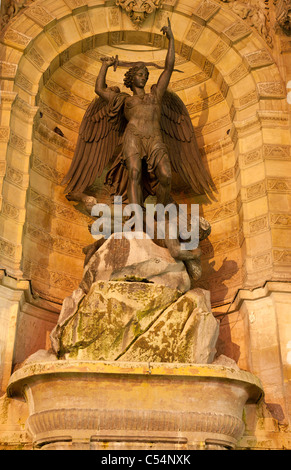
x: 136, y: 259
x: 134, y: 303
x: 137, y: 321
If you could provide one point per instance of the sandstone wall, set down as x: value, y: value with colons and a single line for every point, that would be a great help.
x: 236, y: 63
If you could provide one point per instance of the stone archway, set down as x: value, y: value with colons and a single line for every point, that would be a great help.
x: 245, y: 96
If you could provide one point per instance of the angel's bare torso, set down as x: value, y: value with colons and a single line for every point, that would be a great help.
x: 144, y: 112
x: 143, y: 140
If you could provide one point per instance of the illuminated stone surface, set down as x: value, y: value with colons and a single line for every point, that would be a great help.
x: 126, y: 405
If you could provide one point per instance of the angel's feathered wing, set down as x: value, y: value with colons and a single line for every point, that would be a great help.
x: 100, y: 133
x: 178, y: 134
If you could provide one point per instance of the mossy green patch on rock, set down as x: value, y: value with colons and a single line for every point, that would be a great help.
x: 111, y: 316
x: 185, y: 332
x: 136, y: 321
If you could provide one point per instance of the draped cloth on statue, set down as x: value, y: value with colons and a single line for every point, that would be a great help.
x: 150, y: 149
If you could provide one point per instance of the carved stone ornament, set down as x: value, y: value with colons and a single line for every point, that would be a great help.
x: 256, y: 14
x: 10, y: 8
x: 138, y: 10
x: 283, y: 15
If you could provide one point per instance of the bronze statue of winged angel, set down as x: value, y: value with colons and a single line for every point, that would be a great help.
x: 140, y: 139
x: 143, y: 138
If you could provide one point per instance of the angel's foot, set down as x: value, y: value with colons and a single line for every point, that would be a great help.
x: 204, y: 228
x: 194, y: 270
x: 177, y: 253
x: 89, y: 202
x: 73, y: 197
x: 91, y: 249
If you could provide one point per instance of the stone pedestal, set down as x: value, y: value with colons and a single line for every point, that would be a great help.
x: 130, y: 406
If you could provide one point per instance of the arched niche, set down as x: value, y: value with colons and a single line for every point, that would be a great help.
x: 234, y: 93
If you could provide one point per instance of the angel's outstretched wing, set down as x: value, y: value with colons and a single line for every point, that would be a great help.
x: 178, y: 134
x: 100, y: 133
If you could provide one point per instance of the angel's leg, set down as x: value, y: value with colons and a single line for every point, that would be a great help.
x: 132, y: 154
x: 134, y: 191
x: 164, y: 175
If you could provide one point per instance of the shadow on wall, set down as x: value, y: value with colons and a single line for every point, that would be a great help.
x: 214, y: 279
x: 276, y: 411
x: 224, y: 344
